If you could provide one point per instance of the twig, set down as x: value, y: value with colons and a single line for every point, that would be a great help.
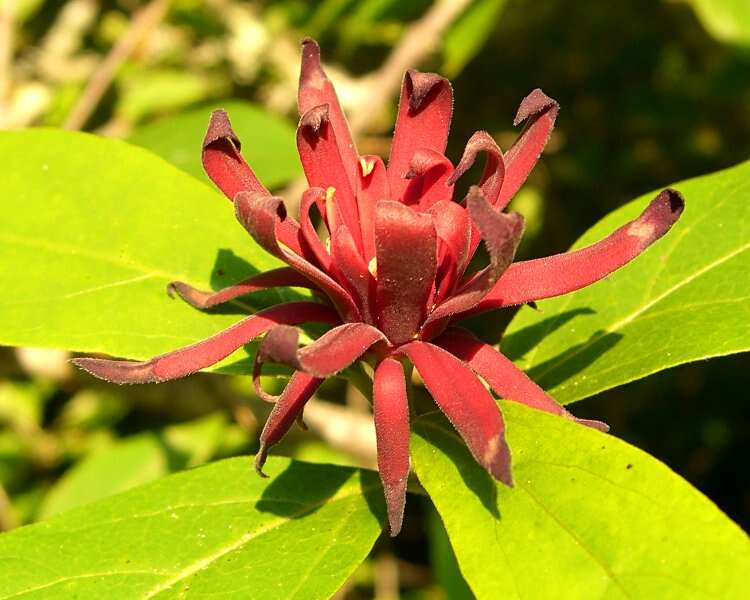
x: 421, y: 39
x: 6, y: 55
x: 143, y: 21
x: 8, y: 519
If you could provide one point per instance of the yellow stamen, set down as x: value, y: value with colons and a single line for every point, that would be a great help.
x: 366, y: 165
x: 373, y: 266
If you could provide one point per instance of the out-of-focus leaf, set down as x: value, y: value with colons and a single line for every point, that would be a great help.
x: 93, y: 408
x: 21, y: 404
x: 444, y: 564
x: 268, y: 141
x: 134, y: 461
x: 468, y: 34
x: 686, y: 298
x: 589, y: 514
x: 727, y: 20
x: 217, y: 530
x: 92, y: 231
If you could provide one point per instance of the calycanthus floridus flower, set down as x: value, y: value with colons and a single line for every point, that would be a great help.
x: 393, y: 276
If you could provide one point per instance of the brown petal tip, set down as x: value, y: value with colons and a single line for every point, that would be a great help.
x: 420, y: 85
x: 260, y: 460
x: 314, y: 118
x: 422, y: 161
x: 118, y: 371
x: 593, y: 423
x: 658, y: 217
x: 533, y: 104
x: 395, y: 499
x: 219, y: 127
x: 311, y: 73
x: 280, y: 345
x: 480, y: 141
x: 497, y: 460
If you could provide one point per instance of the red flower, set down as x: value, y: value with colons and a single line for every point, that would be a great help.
x: 395, y: 269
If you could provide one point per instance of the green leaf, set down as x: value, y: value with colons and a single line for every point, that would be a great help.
x: 92, y: 231
x: 686, y: 298
x: 468, y: 34
x: 134, y: 461
x: 726, y: 20
x: 268, y: 141
x: 589, y: 514
x: 216, y: 530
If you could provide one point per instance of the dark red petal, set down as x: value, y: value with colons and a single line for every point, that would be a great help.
x: 555, y: 275
x: 501, y: 233
x: 390, y: 409
x: 298, y: 391
x: 539, y: 111
x: 353, y: 269
x: 315, y: 89
x: 505, y: 379
x: 203, y: 354
x: 424, y: 119
x: 222, y: 159
x: 467, y: 404
x: 371, y: 188
x: 453, y: 229
x: 262, y: 216
x: 494, y: 168
x: 311, y: 242
x: 428, y: 176
x: 332, y: 352
x: 406, y: 265
x: 283, y: 277
x: 324, y: 165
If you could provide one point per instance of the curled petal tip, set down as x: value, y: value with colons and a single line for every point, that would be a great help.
x: 497, y: 460
x: 117, y: 371
x: 314, y: 118
x: 421, y: 85
x: 537, y: 101
x: 220, y: 127
x: 311, y: 74
x: 594, y: 424
x: 659, y: 216
x: 260, y: 460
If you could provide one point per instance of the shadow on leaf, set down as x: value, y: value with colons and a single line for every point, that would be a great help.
x: 517, y: 344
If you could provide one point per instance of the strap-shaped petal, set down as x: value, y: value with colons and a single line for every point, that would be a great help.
x: 428, y: 177
x: 283, y: 277
x: 390, y: 409
x: 332, y: 352
x: 406, y: 265
x: 501, y: 233
x: 190, y: 359
x: 505, y: 379
x: 352, y: 271
x: 262, y: 216
x: 324, y: 166
x: 466, y: 403
x: 290, y: 404
x: 453, y: 228
x: 372, y: 187
x: 310, y: 240
x: 315, y: 89
x: 423, y: 121
x: 531, y: 280
x: 539, y: 111
x: 492, y: 178
x: 223, y: 162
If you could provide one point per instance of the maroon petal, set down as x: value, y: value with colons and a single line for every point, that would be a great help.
x: 494, y: 168
x: 283, y: 277
x: 203, y: 354
x: 539, y: 111
x: 453, y: 229
x: 424, y: 119
x: 262, y: 217
x: 555, y: 275
x: 352, y: 268
x: 428, y: 176
x: 316, y: 89
x: 298, y: 391
x: 466, y: 403
x: 332, y: 352
x: 505, y: 379
x: 406, y: 265
x: 311, y: 242
x: 371, y: 188
x: 391, y: 412
x: 324, y: 165
x: 501, y: 233
x: 222, y: 159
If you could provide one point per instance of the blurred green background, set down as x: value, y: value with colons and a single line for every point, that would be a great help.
x: 651, y: 92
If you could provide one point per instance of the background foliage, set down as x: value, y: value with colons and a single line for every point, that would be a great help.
x: 651, y: 93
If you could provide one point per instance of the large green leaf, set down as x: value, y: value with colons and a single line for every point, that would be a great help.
x: 687, y: 298
x: 727, y: 20
x: 92, y: 231
x: 268, y: 141
x: 589, y: 515
x: 218, y: 530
